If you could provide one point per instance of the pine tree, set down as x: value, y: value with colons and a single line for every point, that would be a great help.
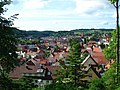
x: 72, y: 70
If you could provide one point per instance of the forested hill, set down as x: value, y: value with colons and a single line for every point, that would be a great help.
x: 37, y: 34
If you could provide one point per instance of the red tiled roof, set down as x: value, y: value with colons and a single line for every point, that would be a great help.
x: 19, y: 71
x: 99, y: 56
x: 40, y: 61
x: 97, y: 49
x: 43, y: 62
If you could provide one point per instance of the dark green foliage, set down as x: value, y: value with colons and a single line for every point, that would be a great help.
x: 97, y: 34
x: 62, y: 33
x: 28, y: 41
x: 8, y: 84
x: 23, y: 84
x: 118, y: 88
x: 31, y: 34
x: 71, y: 71
x: 2, y: 4
x: 5, y: 81
x: 8, y: 56
x: 110, y: 78
x: 107, y: 82
x: 111, y: 49
x: 75, y: 52
x: 98, y: 84
x: 63, y: 86
x: 37, y: 34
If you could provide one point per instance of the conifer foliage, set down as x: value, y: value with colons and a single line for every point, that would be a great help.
x: 71, y: 71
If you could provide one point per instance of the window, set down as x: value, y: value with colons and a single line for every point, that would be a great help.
x: 90, y: 75
x: 49, y: 73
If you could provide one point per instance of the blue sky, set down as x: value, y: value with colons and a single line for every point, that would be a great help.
x: 62, y: 14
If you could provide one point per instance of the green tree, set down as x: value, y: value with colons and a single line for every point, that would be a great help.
x: 74, y: 60
x: 5, y: 82
x: 97, y: 84
x: 62, y: 86
x: 23, y: 84
x: 110, y: 50
x: 116, y: 5
x: 71, y: 71
x: 8, y: 56
x: 109, y: 78
x: 107, y: 82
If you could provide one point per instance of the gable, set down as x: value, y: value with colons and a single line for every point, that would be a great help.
x: 91, y: 75
x: 88, y: 62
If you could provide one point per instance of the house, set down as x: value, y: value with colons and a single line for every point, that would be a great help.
x: 42, y: 75
x: 90, y: 69
x: 99, y: 56
x: 105, y: 40
x: 88, y: 62
x: 91, y: 74
x: 18, y: 72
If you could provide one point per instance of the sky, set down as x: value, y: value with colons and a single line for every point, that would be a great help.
x: 62, y: 15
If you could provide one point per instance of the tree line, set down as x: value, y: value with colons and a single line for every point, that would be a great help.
x: 39, y: 34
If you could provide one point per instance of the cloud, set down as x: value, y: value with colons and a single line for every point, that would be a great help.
x: 61, y: 14
x: 91, y: 6
x: 44, y: 8
x: 47, y: 14
x: 34, y: 4
x: 104, y: 23
x: 31, y: 4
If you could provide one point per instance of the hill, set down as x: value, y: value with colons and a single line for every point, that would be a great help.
x: 38, y: 34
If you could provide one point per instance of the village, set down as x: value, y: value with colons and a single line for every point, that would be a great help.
x: 59, y: 45
x: 41, y: 61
